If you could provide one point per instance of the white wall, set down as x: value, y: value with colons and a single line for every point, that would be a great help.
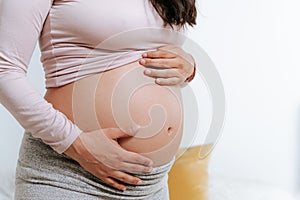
x: 254, y: 44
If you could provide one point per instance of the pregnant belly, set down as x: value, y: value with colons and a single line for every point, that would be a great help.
x: 123, y: 97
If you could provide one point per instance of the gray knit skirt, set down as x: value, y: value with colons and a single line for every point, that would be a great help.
x: 43, y: 174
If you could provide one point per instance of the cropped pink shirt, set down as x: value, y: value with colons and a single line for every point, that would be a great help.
x: 77, y: 38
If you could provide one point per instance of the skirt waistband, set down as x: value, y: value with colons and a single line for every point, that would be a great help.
x: 40, y: 164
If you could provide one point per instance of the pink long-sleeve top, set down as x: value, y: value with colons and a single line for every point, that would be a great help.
x: 77, y: 38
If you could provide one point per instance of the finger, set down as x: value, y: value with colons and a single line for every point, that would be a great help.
x: 114, y: 184
x: 163, y: 73
x: 137, y: 159
x: 102, y: 172
x: 115, y: 133
x: 175, y: 50
x: 126, y: 178
x: 169, y: 81
x: 133, y: 167
x: 159, y: 53
x: 158, y: 62
x: 179, y: 53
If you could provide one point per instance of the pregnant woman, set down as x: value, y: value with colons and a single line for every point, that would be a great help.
x: 110, y: 122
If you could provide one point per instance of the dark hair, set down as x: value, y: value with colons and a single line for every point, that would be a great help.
x: 176, y: 12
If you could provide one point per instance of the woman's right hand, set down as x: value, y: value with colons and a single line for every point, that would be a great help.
x: 99, y: 153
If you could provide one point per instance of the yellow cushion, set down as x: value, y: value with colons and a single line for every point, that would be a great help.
x: 188, y: 178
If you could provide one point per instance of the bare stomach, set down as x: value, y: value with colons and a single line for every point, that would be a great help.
x: 122, y: 97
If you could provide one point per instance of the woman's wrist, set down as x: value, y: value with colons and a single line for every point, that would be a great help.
x: 75, y: 149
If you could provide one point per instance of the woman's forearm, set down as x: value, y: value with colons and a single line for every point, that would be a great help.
x: 20, y: 25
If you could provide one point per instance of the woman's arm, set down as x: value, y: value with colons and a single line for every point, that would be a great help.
x: 20, y: 25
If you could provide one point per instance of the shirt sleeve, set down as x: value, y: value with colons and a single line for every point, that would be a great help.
x: 21, y: 22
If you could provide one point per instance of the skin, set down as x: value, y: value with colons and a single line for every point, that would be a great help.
x: 177, y: 65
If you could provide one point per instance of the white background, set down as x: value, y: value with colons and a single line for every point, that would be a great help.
x: 255, y: 47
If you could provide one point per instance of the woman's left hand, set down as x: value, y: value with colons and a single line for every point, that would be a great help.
x: 176, y: 64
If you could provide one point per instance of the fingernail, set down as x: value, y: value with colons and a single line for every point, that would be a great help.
x: 144, y: 54
x: 149, y: 169
x: 135, y: 128
x: 139, y: 182
x: 151, y: 163
x: 143, y: 61
x: 158, y: 81
x: 148, y: 71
